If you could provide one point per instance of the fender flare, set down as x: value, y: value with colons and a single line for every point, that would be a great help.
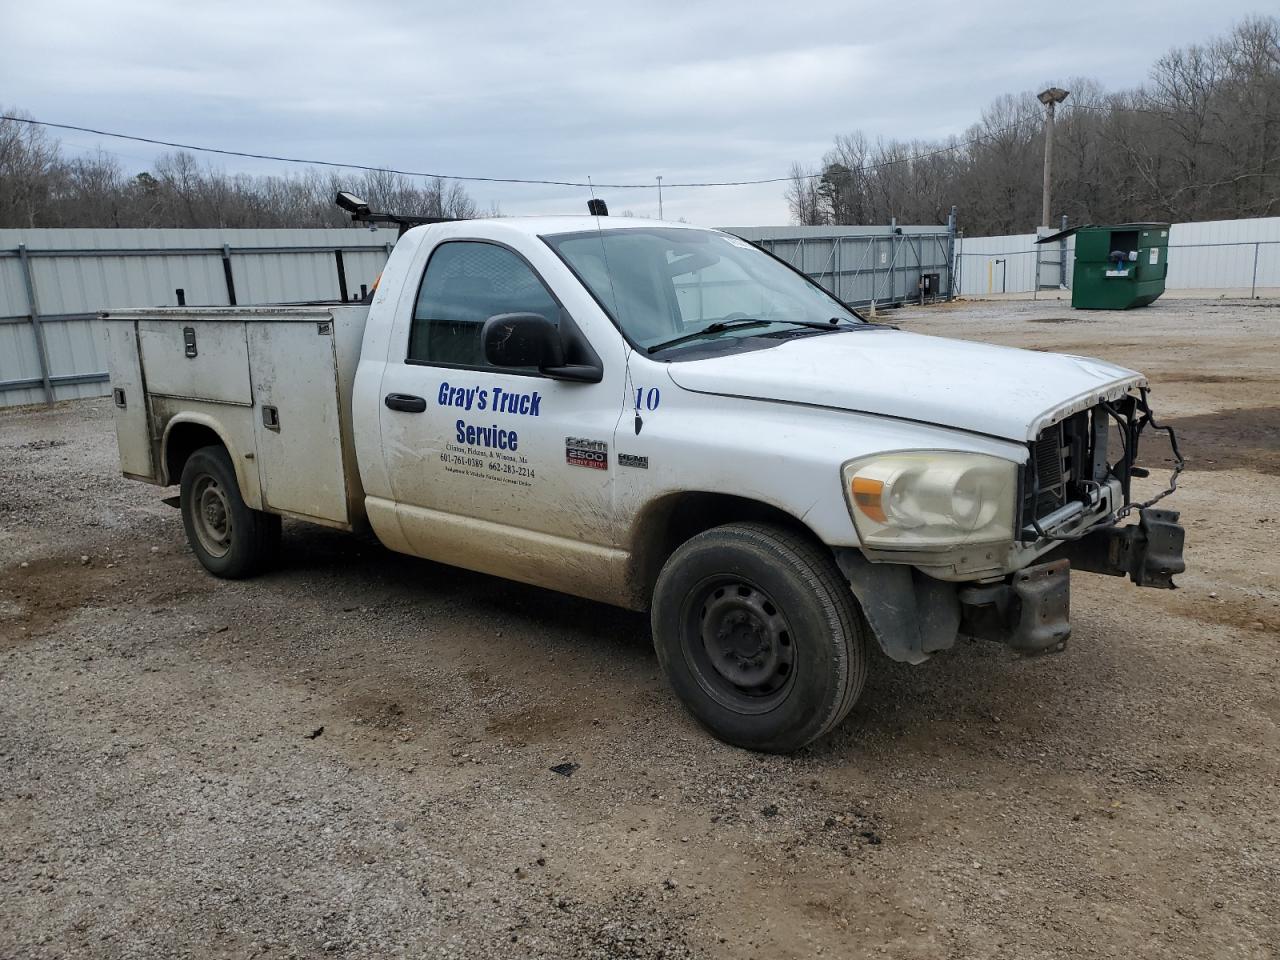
x: 251, y: 492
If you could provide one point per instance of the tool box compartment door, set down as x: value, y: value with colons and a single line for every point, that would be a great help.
x: 196, y: 359
x: 297, y: 426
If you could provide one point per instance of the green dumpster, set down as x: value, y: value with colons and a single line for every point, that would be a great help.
x: 1118, y: 266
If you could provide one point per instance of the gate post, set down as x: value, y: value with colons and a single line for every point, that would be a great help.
x: 1062, y: 256
x: 951, y: 254
x: 227, y: 275
x: 342, y: 276
x: 33, y: 305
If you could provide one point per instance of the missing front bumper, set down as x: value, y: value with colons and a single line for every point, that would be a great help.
x: 1149, y: 552
x: 1029, y: 612
x: 914, y: 615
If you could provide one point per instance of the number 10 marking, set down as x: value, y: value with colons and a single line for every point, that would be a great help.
x: 648, y: 399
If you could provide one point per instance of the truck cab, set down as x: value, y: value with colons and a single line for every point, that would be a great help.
x: 670, y: 419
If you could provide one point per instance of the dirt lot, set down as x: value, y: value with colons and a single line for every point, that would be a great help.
x: 352, y: 756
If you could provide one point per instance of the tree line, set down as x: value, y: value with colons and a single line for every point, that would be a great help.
x: 1199, y: 141
x: 42, y: 187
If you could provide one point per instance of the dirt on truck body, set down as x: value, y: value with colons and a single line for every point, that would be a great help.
x: 364, y: 755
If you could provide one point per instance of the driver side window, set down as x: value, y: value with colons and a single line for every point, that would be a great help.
x: 467, y: 282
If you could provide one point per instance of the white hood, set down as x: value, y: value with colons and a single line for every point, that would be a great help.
x: 999, y: 391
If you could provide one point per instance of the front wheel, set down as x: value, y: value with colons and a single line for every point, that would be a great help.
x: 759, y: 635
x: 229, y: 538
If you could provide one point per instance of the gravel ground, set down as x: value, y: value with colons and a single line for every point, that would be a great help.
x: 357, y: 755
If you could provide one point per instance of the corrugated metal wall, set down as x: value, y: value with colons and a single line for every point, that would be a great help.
x: 1234, y: 257
x: 1228, y: 255
x: 998, y: 264
x: 862, y: 264
x: 78, y: 273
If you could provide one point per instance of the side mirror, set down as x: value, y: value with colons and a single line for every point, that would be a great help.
x: 531, y: 340
x: 522, y: 340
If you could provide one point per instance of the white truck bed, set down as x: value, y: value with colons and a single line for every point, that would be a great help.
x: 277, y: 379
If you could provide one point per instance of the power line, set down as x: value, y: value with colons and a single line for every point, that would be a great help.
x: 958, y: 145
x: 309, y: 162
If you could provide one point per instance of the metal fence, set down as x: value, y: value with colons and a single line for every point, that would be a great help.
x: 863, y: 265
x: 53, y: 284
x: 1230, y: 257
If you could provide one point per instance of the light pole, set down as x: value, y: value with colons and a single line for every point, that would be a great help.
x: 1050, y: 98
x: 660, y: 198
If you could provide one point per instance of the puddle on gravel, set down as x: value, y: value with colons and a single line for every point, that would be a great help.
x: 1244, y: 613
x: 1208, y: 378
x: 39, y: 597
x: 47, y: 591
x: 1060, y: 320
x: 1247, y: 437
x: 1085, y: 349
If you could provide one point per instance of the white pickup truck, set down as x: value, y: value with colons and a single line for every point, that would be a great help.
x: 665, y: 418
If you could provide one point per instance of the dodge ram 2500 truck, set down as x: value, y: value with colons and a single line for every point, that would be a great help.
x: 665, y: 418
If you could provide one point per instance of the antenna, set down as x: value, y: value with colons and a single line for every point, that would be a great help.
x: 597, y: 208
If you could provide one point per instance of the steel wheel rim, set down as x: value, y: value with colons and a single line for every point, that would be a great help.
x: 211, y: 515
x: 739, y: 644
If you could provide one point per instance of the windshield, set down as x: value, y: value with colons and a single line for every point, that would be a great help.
x: 660, y: 284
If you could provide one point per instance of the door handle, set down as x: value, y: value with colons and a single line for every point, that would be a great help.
x: 405, y: 402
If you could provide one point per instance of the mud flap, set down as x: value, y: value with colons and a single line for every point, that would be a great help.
x: 911, y: 614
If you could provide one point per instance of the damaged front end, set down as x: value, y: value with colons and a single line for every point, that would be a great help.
x: 1071, y: 472
x: 1075, y: 491
x: 1080, y: 470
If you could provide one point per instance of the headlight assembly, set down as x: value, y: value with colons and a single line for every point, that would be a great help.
x: 931, y: 499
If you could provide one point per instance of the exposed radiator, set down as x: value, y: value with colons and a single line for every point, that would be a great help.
x: 1052, y: 471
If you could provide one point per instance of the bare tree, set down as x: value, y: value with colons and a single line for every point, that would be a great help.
x: 1200, y: 140
x: 28, y: 170
x: 803, y: 198
x: 41, y: 188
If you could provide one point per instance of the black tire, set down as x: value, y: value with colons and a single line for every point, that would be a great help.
x: 759, y: 635
x: 229, y: 538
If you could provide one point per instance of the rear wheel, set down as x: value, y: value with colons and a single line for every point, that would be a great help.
x: 229, y: 538
x: 759, y: 635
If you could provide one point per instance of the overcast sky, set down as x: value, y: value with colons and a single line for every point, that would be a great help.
x: 618, y: 92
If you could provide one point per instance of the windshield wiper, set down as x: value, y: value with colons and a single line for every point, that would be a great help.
x: 715, y: 327
x: 740, y: 322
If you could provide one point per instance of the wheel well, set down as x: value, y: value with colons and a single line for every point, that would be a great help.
x: 667, y: 524
x: 185, y: 439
